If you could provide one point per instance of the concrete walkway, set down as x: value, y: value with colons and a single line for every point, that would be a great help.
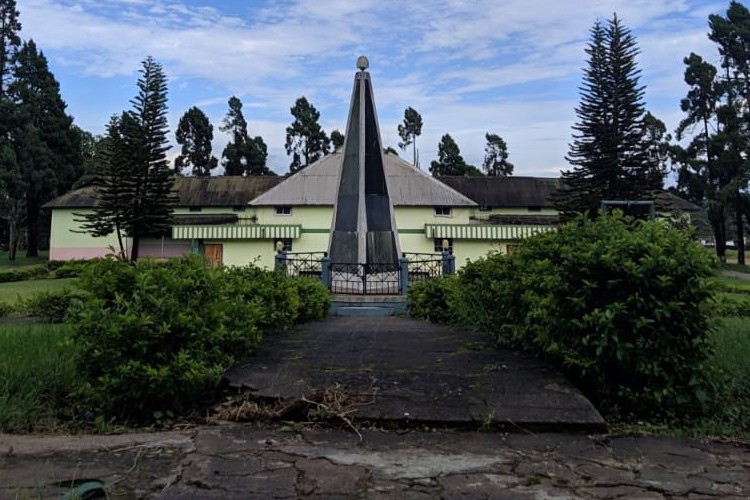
x: 244, y: 463
x: 410, y: 372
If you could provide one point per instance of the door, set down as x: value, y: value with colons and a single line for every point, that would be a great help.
x: 214, y: 253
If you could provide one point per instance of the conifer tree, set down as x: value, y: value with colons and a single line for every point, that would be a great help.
x: 306, y: 141
x: 609, y: 156
x: 242, y: 155
x: 450, y: 161
x: 496, y: 162
x: 194, y: 134
x: 409, y: 130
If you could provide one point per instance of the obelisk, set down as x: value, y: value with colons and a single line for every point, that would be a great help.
x: 364, y: 227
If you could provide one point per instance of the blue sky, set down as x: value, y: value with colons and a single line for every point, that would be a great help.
x: 511, y: 67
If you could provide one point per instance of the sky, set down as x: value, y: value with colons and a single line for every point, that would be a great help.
x: 509, y: 67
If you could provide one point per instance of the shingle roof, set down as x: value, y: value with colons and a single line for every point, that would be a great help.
x: 317, y: 185
x: 497, y: 192
x: 191, y: 192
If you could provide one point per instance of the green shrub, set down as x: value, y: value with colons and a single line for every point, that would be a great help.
x: 619, y: 304
x: 314, y: 299
x: 431, y: 300
x: 69, y: 269
x: 272, y: 292
x: 155, y: 339
x: 6, y: 309
x: 23, y: 274
x: 729, y: 305
x: 50, y: 307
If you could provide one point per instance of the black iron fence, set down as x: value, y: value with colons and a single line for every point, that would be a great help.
x: 367, y: 279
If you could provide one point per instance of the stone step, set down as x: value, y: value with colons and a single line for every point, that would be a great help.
x: 364, y: 311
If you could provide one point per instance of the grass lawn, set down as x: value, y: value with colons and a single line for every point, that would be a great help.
x: 9, y: 292
x: 22, y: 261
x: 36, y: 375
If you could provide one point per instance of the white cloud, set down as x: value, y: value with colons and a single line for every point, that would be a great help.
x: 506, y: 66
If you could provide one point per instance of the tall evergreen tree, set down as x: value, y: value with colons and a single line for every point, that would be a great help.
x: 194, y: 134
x: 146, y: 137
x: 496, y: 154
x: 10, y: 41
x: 409, y: 130
x: 45, y: 142
x: 11, y: 197
x: 608, y: 153
x: 242, y: 155
x: 113, y: 178
x: 306, y: 141
x: 450, y: 161
x: 732, y: 36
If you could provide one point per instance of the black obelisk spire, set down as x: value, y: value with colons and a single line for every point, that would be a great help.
x: 364, y: 227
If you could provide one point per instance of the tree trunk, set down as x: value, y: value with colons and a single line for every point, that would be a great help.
x: 740, y: 231
x: 134, y: 249
x: 32, y: 229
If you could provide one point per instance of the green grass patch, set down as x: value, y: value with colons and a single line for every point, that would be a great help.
x: 9, y: 292
x: 22, y: 262
x: 37, y: 373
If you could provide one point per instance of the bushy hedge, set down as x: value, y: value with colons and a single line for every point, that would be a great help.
x: 620, y: 305
x: 432, y: 300
x: 155, y: 338
x: 50, y: 307
x: 23, y: 274
x: 314, y: 299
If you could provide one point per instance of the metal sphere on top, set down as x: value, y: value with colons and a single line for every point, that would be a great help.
x: 362, y: 63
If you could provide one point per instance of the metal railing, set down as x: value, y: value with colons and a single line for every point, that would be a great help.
x: 305, y: 264
x: 365, y: 279
x: 424, y: 266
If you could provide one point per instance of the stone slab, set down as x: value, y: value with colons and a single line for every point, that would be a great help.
x: 410, y: 371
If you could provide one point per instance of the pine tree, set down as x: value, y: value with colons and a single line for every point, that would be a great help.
x: 337, y: 139
x: 195, y: 133
x: 45, y: 142
x: 146, y: 136
x: 608, y: 153
x: 306, y: 141
x: 450, y: 161
x: 409, y: 130
x: 10, y: 41
x: 496, y: 162
x: 242, y: 155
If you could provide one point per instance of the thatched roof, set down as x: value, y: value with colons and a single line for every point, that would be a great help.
x: 317, y: 185
x: 191, y: 192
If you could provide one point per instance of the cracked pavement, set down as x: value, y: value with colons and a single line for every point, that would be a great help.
x: 244, y: 462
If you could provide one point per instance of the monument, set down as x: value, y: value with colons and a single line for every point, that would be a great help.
x: 363, y: 230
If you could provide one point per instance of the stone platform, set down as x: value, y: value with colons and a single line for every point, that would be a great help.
x: 412, y: 372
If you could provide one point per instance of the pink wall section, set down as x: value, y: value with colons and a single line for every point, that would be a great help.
x: 148, y: 249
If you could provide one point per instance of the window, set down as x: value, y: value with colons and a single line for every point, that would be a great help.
x: 196, y: 209
x: 239, y: 208
x: 287, y: 242
x: 442, y: 211
x: 285, y: 210
x: 439, y: 244
x: 535, y: 209
x: 485, y: 208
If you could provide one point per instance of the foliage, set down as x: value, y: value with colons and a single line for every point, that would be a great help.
x: 23, y: 274
x: 713, y: 170
x: 450, y: 161
x: 6, y: 309
x: 409, y: 130
x: 242, y: 155
x: 134, y: 187
x: 314, y: 299
x: 620, y: 305
x: 496, y: 157
x: 155, y: 337
x: 609, y: 155
x: 51, y: 306
x: 195, y: 133
x: 306, y: 141
x: 11, y: 292
x: 9, y: 41
x: 38, y: 373
x: 337, y: 139
x: 432, y: 300
x: 41, y: 148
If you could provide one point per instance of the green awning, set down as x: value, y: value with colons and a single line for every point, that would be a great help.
x: 236, y: 232
x: 484, y: 231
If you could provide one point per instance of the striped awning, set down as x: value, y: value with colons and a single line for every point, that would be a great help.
x: 236, y: 232
x: 484, y: 232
